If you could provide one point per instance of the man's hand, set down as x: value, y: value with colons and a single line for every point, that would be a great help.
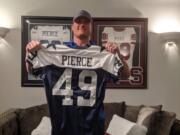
x: 111, y: 47
x: 33, y: 46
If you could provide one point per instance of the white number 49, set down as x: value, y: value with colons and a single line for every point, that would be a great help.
x: 66, y: 78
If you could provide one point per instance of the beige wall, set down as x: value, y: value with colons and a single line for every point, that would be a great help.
x: 163, y: 74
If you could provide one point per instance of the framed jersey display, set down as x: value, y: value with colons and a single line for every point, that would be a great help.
x: 50, y: 30
x: 130, y: 34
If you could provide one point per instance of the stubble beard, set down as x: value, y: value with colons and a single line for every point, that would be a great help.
x: 84, y: 37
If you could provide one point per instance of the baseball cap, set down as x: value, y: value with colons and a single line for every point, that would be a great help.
x: 82, y: 13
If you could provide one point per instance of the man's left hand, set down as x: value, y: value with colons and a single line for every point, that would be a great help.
x: 111, y: 47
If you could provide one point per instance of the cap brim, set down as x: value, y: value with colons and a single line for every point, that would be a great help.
x: 82, y: 17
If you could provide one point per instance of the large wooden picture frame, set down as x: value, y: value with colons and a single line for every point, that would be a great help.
x: 44, y: 29
x: 130, y: 34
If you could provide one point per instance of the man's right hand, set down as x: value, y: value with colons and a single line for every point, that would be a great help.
x: 33, y: 46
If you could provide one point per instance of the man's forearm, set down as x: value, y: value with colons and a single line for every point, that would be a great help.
x: 28, y: 67
x: 125, y: 72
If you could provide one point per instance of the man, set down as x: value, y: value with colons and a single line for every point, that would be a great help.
x: 75, y: 79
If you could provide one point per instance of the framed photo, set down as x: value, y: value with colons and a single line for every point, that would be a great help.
x: 45, y: 30
x: 130, y: 34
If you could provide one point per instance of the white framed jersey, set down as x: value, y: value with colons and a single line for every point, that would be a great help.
x: 125, y: 38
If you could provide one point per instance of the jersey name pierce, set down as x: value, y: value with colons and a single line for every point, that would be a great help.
x: 76, y: 61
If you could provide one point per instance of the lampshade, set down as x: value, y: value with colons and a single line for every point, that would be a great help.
x: 3, y: 31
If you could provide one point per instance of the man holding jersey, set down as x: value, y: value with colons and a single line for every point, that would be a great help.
x: 75, y: 76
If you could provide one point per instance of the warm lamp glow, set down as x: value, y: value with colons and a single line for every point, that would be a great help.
x: 171, y: 50
x: 170, y: 46
x: 168, y: 24
x: 5, y: 20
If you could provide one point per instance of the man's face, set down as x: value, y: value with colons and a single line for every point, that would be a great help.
x: 81, y: 28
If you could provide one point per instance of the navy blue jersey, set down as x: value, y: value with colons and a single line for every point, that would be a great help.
x: 75, y: 81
